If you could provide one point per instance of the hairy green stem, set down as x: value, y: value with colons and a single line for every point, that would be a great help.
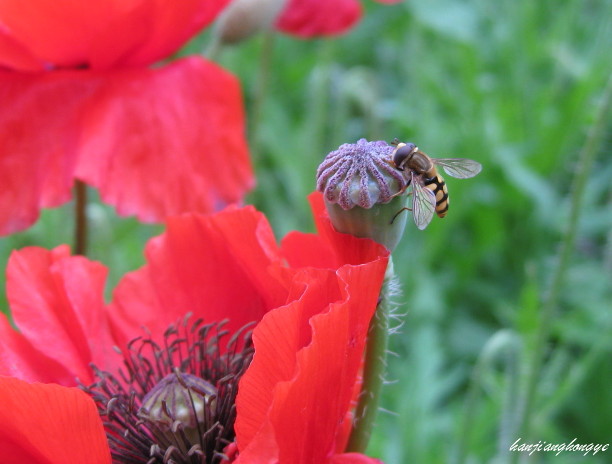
x: 81, y: 225
x: 374, y: 368
x: 583, y: 169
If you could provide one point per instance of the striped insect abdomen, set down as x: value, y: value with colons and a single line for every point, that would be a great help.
x: 437, y: 185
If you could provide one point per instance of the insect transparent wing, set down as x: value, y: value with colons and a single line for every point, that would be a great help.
x: 423, y: 203
x: 460, y: 168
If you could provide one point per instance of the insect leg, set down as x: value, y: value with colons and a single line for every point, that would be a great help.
x: 405, y: 208
x: 401, y: 191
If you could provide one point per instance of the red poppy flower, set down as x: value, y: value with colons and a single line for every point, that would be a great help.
x: 311, y: 18
x: 312, y: 299
x: 79, y: 101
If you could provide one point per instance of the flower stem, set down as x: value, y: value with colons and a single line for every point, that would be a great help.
x: 213, y: 49
x: 374, y: 367
x: 547, y: 314
x: 81, y: 226
x: 261, y: 88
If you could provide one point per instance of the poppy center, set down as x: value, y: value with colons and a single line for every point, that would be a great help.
x: 175, y: 402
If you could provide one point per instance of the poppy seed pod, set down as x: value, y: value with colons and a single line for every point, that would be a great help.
x: 179, y: 398
x: 360, y: 187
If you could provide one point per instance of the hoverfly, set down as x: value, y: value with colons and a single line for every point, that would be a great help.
x: 429, y: 192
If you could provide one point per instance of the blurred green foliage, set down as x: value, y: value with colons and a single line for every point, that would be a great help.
x: 514, y: 84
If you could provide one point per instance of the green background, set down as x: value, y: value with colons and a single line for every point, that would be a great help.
x: 525, y: 251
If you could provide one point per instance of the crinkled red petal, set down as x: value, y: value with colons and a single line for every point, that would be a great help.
x: 222, y: 266
x: 164, y: 141
x: 327, y: 249
x: 49, y: 424
x: 57, y: 304
x: 39, y: 120
x: 156, y: 142
x: 301, y: 382
x: 277, y: 338
x: 299, y: 388
x: 19, y: 358
x: 167, y: 25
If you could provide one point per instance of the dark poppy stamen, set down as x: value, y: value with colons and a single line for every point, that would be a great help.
x: 175, y: 403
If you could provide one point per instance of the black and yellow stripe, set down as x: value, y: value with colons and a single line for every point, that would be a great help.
x: 437, y: 185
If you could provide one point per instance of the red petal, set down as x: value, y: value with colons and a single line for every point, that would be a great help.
x: 263, y: 449
x: 39, y: 118
x: 14, y: 55
x: 217, y: 267
x: 320, y: 395
x: 282, y: 332
x: 102, y: 34
x: 18, y: 358
x: 168, y: 24
x: 55, y: 31
x: 164, y: 141
x: 49, y: 424
x: 309, y: 18
x: 188, y: 154
x: 328, y: 249
x: 301, y: 382
x: 57, y: 303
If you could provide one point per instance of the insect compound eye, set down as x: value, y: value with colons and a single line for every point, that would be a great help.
x: 401, y: 155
